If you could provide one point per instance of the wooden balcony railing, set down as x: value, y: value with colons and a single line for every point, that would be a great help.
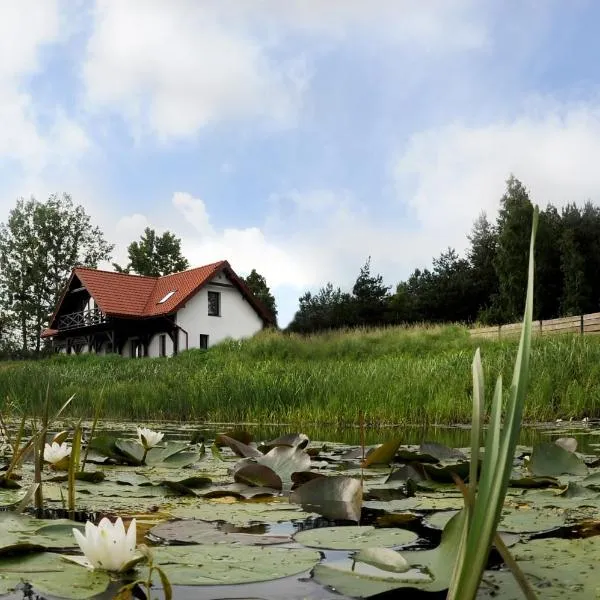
x: 83, y: 318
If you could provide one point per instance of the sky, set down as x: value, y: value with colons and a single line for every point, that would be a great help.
x: 299, y: 137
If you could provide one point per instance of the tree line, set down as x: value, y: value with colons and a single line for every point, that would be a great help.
x: 487, y: 284
x: 40, y: 244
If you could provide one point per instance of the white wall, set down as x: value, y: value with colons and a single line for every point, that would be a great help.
x: 237, y: 319
x: 154, y: 346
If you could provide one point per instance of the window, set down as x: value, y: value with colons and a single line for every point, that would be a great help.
x: 166, y: 297
x: 162, y: 345
x: 203, y: 341
x: 214, y: 304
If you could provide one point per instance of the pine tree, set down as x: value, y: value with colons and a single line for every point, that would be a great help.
x: 258, y: 286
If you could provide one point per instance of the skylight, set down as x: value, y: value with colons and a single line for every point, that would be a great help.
x: 166, y: 297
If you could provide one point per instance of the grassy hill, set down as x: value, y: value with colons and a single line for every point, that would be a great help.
x: 395, y: 375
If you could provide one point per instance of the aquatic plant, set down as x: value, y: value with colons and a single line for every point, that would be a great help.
x: 55, y: 453
x: 149, y: 438
x: 108, y: 546
x: 485, y: 498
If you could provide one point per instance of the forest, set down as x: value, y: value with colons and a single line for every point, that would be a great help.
x: 484, y: 286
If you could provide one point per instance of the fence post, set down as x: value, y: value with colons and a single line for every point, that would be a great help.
x: 581, y: 324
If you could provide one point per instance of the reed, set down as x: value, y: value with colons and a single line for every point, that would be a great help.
x: 394, y: 375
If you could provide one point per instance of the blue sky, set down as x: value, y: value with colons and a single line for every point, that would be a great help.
x: 299, y: 137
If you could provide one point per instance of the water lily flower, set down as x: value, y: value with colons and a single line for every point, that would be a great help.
x: 56, y: 453
x: 108, y: 546
x: 149, y: 438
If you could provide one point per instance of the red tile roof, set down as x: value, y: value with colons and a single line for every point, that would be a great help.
x: 136, y: 296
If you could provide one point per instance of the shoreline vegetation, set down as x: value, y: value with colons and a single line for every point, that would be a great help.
x: 395, y: 375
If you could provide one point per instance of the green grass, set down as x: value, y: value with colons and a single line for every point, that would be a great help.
x: 418, y: 375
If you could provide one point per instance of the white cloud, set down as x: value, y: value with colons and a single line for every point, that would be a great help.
x: 175, y: 67
x: 433, y: 25
x: 448, y: 175
x: 27, y: 28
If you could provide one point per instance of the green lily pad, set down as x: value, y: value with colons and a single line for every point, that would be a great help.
x: 239, y: 448
x: 258, y: 475
x: 414, y: 471
x: 284, y: 461
x: 240, y: 513
x: 186, y: 486
x: 334, y: 497
x: 193, y: 531
x: 293, y: 440
x: 436, y: 569
x: 382, y: 455
x: 442, y: 471
x: 441, y: 452
x: 556, y: 568
x: 551, y: 460
x: 50, y: 575
x: 530, y: 520
x: 132, y: 450
x: 354, y: 537
x: 21, y: 533
x: 535, y: 482
x: 229, y: 565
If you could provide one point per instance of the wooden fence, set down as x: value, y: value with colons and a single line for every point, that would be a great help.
x: 582, y: 324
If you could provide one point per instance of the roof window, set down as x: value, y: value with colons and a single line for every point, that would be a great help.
x: 166, y: 297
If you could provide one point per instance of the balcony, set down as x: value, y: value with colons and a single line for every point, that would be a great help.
x: 83, y: 318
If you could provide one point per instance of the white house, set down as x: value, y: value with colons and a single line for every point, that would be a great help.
x: 133, y: 315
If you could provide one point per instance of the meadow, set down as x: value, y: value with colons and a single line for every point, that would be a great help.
x: 416, y: 375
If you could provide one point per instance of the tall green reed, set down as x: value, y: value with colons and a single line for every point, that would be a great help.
x: 485, y: 498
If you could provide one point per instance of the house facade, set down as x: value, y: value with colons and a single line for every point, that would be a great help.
x: 106, y: 312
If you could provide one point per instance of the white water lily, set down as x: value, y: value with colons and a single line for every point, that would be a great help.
x: 149, y: 438
x: 56, y: 453
x: 107, y: 546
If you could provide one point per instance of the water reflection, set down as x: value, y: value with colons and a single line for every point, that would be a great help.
x: 587, y: 435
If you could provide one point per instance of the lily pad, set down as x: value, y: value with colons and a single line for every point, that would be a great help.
x: 258, y: 475
x: 285, y: 461
x: 239, y: 448
x: 229, y: 565
x: 568, y: 443
x: 437, y: 565
x: 131, y: 449
x: 336, y: 497
x: 50, y: 575
x: 382, y: 455
x: 355, y: 537
x: 441, y: 452
x: 556, y: 568
x: 551, y: 460
x: 240, y: 513
x: 293, y: 440
x: 193, y: 531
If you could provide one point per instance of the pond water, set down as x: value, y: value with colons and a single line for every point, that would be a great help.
x: 399, y: 511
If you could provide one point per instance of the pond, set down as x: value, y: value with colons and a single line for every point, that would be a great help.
x: 270, y: 513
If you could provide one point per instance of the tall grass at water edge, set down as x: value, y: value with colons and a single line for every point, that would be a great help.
x: 395, y: 375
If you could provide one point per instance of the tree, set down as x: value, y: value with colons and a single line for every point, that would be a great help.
x: 370, y: 297
x: 580, y: 259
x: 513, y: 227
x: 39, y: 245
x: 258, y: 286
x: 329, y: 308
x: 549, y: 279
x: 482, y: 256
x: 155, y: 255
